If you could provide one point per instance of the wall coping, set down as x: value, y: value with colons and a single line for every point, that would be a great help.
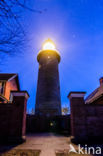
x: 76, y: 94
x: 19, y: 93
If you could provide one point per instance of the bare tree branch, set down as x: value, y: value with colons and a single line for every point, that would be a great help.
x: 12, y: 34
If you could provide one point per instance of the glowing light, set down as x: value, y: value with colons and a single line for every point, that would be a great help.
x: 51, y: 124
x: 49, y: 45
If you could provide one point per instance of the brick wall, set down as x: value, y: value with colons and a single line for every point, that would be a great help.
x: 13, y: 118
x: 42, y: 123
x: 86, y: 119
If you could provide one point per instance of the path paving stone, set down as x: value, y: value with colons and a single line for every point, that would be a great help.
x: 48, y: 143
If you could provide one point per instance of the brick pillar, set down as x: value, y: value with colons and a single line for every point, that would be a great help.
x: 78, y: 119
x: 18, y: 122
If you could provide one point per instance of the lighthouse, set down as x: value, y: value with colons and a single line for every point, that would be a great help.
x: 48, y: 100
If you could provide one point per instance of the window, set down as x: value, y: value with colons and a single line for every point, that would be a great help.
x: 2, y: 85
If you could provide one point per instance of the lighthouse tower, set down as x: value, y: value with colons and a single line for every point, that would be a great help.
x: 48, y: 100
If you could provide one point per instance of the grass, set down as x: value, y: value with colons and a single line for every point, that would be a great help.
x: 21, y: 152
x: 65, y: 153
x: 70, y: 154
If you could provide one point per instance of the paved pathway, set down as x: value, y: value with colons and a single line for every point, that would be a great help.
x: 48, y: 143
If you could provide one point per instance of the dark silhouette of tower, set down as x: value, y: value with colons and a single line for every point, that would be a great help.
x: 48, y: 101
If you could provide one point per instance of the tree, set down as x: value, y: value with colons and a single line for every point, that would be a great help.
x: 32, y: 111
x: 12, y: 34
x: 65, y: 110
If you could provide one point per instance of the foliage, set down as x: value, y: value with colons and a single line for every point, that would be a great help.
x: 65, y: 110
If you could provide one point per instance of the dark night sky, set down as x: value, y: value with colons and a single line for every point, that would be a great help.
x: 76, y: 27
